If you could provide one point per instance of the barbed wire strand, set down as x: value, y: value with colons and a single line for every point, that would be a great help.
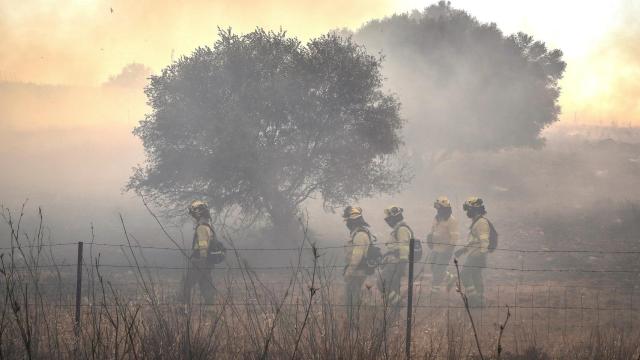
x: 291, y: 267
x: 344, y: 246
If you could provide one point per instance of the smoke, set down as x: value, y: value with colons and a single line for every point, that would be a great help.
x: 69, y: 142
x: 70, y: 148
x: 133, y: 76
x: 625, y: 48
x: 72, y: 42
x: 604, y: 88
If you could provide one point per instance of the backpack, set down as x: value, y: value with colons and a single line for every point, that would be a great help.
x: 373, y: 259
x: 216, y: 251
x: 493, y: 235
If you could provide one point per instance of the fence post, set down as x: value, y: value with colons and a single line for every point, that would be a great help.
x: 615, y: 296
x: 515, y: 304
x: 631, y: 308
x: 581, y: 308
x: 78, y: 289
x: 410, y: 298
x: 533, y: 327
x: 564, y: 332
x: 598, y: 308
x: 498, y: 308
x: 548, y: 311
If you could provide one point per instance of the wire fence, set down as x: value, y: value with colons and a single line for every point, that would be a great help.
x: 510, y: 268
x: 327, y: 247
x: 537, y: 304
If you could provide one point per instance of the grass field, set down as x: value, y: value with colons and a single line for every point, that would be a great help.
x: 292, y: 311
x: 568, y: 217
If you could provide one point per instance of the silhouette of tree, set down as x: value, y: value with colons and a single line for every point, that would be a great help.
x: 259, y: 123
x: 463, y: 84
x: 133, y: 76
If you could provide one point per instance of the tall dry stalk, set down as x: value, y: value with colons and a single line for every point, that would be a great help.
x: 465, y: 300
x: 502, y: 327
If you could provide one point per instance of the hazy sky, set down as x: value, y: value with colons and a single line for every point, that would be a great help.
x: 67, y: 142
x: 83, y: 42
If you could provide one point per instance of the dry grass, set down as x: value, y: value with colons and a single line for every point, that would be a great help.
x: 251, y: 319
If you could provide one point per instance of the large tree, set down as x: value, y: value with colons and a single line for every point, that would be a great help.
x: 464, y: 85
x: 260, y: 122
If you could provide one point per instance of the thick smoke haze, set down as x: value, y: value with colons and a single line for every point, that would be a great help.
x: 69, y: 148
x: 297, y: 122
x: 83, y: 42
x: 464, y: 84
x: 613, y: 74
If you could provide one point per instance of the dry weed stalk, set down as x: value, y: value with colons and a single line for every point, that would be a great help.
x: 502, y: 327
x: 465, y: 300
x: 298, y: 319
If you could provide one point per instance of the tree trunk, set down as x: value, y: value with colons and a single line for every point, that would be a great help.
x: 283, y: 216
x: 286, y: 229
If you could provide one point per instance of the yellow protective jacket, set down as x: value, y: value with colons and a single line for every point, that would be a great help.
x: 201, y: 239
x: 360, y: 241
x: 399, y: 243
x: 444, y: 232
x: 478, y: 238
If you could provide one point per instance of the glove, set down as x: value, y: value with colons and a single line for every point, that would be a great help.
x: 458, y: 253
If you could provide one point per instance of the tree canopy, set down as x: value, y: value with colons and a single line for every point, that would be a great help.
x: 260, y: 122
x: 463, y: 84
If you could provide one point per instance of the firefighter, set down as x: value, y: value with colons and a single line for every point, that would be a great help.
x: 354, y: 272
x: 476, y: 250
x: 198, y: 269
x: 441, y: 240
x: 396, y: 258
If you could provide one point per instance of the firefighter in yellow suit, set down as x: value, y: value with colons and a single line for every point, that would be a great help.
x: 396, y: 258
x: 441, y: 240
x: 354, y: 271
x: 476, y: 251
x: 198, y: 270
